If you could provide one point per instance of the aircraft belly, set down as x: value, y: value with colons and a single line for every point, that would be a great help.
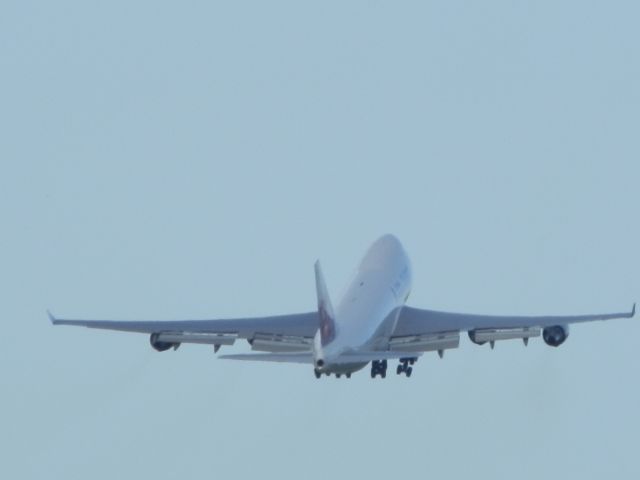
x: 367, y: 324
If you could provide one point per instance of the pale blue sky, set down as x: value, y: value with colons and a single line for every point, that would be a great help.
x: 192, y: 159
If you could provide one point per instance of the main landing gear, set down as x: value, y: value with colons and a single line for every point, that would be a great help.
x: 404, y: 366
x: 378, y: 367
x: 318, y: 374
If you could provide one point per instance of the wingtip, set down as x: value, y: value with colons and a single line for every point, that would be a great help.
x: 52, y: 319
x: 633, y: 311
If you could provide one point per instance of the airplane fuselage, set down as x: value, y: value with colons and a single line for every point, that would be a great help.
x: 366, y: 315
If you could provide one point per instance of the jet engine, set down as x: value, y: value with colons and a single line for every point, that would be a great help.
x: 159, y: 345
x: 556, y: 335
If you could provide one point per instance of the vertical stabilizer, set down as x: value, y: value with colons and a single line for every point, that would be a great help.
x: 325, y: 309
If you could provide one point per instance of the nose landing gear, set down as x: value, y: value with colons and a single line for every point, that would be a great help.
x: 379, y: 367
x: 404, y: 366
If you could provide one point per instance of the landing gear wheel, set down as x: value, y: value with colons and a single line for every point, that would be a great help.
x: 399, y: 370
x: 375, y: 368
x: 409, y: 371
x: 337, y: 375
x: 379, y: 367
x: 383, y: 368
x: 348, y: 375
x: 317, y: 373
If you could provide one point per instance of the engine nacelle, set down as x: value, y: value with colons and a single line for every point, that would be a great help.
x: 556, y: 335
x: 159, y: 345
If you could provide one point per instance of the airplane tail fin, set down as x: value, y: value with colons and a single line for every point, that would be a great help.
x: 325, y: 309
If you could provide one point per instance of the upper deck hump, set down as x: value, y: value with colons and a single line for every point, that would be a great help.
x: 385, y: 253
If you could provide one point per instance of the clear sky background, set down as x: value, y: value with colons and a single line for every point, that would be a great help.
x: 165, y: 160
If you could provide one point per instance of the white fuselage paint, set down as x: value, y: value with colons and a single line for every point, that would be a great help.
x: 367, y: 313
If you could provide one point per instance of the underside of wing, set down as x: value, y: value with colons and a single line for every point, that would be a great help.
x: 414, y: 321
x: 282, y: 333
x: 430, y: 330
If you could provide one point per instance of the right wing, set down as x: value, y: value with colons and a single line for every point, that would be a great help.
x: 421, y: 330
x: 275, y: 333
x: 415, y: 321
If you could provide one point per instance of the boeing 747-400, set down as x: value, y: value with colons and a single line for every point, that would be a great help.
x: 371, y: 324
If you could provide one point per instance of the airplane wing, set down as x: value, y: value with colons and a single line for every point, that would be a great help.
x: 414, y: 321
x: 275, y: 333
x: 420, y: 330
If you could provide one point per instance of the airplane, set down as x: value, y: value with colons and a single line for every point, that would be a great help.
x: 371, y: 324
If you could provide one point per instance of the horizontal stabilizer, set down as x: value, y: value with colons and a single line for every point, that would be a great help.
x: 356, y: 357
x: 364, y: 357
x: 306, y: 358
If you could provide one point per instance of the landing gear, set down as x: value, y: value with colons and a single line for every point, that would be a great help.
x: 319, y: 374
x: 379, y: 367
x: 404, y: 366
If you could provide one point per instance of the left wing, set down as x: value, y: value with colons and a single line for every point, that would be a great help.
x: 275, y: 333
